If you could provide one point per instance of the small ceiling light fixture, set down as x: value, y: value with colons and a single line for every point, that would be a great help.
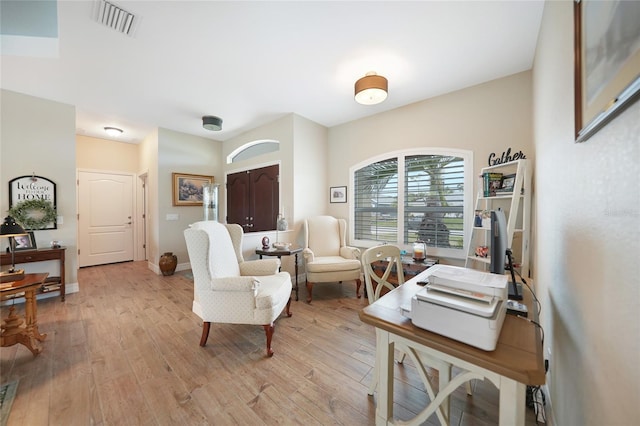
x: 113, y: 131
x: 371, y: 89
x: 211, y: 122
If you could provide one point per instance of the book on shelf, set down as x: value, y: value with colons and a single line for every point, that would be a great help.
x: 491, y: 182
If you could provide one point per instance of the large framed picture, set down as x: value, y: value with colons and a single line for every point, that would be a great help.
x: 607, y: 62
x: 188, y: 189
x: 338, y: 194
x: 32, y: 200
x: 25, y: 242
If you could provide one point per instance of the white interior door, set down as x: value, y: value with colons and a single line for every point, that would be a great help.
x: 105, y: 224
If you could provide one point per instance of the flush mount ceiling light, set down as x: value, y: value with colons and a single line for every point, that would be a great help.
x: 211, y: 122
x: 113, y: 131
x: 371, y: 89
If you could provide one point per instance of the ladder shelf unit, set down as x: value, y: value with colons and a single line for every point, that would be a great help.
x: 517, y: 208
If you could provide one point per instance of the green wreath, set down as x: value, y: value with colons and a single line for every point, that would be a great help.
x: 34, y: 214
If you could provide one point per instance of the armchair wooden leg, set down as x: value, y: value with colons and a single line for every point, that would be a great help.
x: 358, y: 284
x: 206, y: 326
x: 288, y: 308
x: 268, y: 329
x: 309, y: 289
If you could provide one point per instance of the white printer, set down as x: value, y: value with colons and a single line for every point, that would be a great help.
x: 462, y: 304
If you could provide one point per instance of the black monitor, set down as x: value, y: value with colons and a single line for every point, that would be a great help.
x: 500, y: 253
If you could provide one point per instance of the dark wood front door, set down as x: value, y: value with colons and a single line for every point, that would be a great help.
x: 253, y: 198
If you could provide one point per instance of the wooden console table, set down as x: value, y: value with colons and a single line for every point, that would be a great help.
x: 40, y: 255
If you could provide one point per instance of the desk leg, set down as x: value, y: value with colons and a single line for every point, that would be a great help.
x: 296, y: 269
x: 385, y: 354
x: 512, y: 402
x: 444, y: 377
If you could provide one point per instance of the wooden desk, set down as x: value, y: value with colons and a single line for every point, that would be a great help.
x: 12, y: 332
x: 39, y: 255
x: 283, y: 252
x: 516, y: 362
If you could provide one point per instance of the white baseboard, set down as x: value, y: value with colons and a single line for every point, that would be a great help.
x: 156, y: 269
x: 183, y: 267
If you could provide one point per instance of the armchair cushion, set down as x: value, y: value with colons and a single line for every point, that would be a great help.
x: 260, y: 267
x: 332, y: 264
x: 272, y: 290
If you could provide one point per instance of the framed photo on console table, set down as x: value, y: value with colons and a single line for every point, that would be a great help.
x: 25, y: 242
x: 188, y: 189
x: 607, y: 62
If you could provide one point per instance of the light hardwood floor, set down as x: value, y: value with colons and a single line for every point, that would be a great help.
x: 124, y: 351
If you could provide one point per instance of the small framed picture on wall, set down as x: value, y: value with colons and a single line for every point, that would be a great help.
x: 338, y: 194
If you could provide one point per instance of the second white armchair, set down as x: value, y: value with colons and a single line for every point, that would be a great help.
x: 326, y: 254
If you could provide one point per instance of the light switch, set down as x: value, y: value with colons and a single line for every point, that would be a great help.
x: 59, y: 220
x: 173, y: 216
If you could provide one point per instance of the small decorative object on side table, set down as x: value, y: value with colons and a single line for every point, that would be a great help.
x: 265, y: 243
x: 286, y: 250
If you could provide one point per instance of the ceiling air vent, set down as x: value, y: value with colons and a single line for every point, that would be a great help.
x: 115, y: 17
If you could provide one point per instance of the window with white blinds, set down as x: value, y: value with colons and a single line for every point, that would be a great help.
x: 413, y: 196
x: 434, y: 200
x: 376, y: 201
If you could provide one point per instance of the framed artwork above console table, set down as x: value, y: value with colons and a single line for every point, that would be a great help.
x: 29, y: 193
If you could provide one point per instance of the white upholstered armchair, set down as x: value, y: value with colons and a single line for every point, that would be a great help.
x: 327, y: 257
x: 228, y: 289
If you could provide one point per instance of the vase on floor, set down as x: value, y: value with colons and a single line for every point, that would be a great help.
x: 168, y: 263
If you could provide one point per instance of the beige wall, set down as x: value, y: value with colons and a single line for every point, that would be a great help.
x: 588, y: 243
x: 280, y: 130
x: 490, y: 117
x: 303, y: 170
x: 181, y: 153
x: 311, y: 170
x: 46, y: 149
x: 106, y: 155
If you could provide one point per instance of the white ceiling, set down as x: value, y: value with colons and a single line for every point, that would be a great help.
x: 252, y: 62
